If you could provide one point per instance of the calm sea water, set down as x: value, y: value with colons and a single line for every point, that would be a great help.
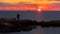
x: 47, y: 15
x: 34, y: 16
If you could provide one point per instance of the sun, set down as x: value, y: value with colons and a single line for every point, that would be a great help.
x: 39, y: 10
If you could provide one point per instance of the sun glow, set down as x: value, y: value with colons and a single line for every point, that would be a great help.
x: 39, y: 10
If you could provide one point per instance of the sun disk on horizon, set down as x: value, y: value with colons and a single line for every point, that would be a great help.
x: 39, y: 10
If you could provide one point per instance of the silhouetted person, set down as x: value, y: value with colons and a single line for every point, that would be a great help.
x: 18, y: 16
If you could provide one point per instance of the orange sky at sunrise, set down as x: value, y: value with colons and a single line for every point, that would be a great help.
x: 29, y: 4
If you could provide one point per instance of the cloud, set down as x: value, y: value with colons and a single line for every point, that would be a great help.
x: 57, y: 5
x: 25, y: 4
x: 18, y: 4
x: 56, y: 0
x: 53, y: 0
x: 4, y: 4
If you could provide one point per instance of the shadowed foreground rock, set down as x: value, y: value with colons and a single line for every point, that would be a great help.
x: 14, y: 25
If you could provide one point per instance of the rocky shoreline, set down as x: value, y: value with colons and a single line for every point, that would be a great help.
x: 14, y: 25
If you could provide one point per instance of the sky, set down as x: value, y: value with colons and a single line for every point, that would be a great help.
x: 30, y: 5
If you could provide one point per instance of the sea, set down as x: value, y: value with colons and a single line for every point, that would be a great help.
x: 34, y: 15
